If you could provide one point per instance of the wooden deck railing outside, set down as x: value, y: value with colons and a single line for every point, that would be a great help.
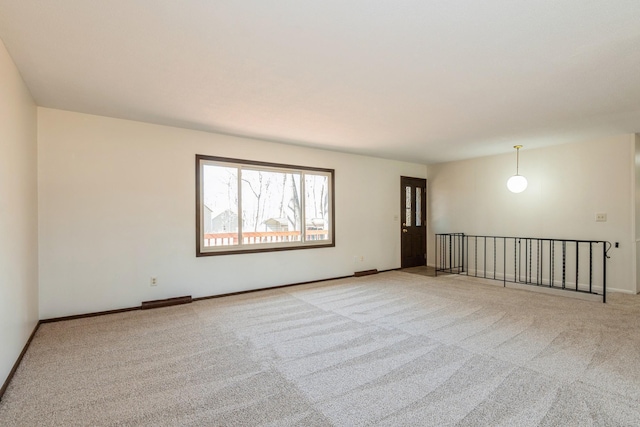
x: 253, y: 237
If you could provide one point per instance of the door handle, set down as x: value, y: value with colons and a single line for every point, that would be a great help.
x: 404, y: 230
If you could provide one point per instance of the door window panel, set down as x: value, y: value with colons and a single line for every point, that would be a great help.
x: 418, y: 207
x: 407, y: 202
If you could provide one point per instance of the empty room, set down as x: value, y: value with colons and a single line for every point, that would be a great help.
x: 300, y: 213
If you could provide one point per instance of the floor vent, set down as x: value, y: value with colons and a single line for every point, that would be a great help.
x: 166, y: 302
x: 365, y: 272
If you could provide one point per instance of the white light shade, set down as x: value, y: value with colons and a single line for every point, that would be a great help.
x: 517, y: 184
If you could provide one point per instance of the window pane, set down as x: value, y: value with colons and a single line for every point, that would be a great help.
x: 270, y: 207
x: 418, y: 207
x: 407, y: 215
x: 316, y: 209
x: 245, y: 206
x: 220, y: 207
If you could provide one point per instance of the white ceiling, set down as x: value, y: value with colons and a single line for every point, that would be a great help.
x: 418, y: 80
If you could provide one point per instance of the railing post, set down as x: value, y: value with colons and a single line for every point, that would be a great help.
x: 604, y: 272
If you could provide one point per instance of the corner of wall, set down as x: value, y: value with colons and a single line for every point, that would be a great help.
x: 18, y: 223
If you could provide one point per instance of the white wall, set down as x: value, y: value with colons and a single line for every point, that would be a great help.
x: 18, y: 215
x: 117, y: 207
x: 568, y: 184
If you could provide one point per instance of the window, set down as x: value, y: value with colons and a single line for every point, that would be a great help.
x: 244, y: 206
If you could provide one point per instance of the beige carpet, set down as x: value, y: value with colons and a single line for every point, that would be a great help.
x: 392, y: 349
x: 422, y: 270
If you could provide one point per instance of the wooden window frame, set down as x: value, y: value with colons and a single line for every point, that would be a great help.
x: 243, y: 248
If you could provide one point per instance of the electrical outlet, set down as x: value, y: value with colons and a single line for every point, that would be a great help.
x: 601, y: 217
x: 154, y: 281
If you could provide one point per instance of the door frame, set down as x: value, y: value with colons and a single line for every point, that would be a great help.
x: 414, y: 182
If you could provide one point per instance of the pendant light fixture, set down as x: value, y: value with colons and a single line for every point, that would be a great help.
x: 517, y: 183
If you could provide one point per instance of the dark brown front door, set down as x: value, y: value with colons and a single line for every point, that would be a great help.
x: 413, y: 204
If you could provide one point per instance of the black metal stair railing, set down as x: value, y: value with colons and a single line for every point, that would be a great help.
x: 575, y: 265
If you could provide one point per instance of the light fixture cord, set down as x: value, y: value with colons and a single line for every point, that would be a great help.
x: 517, y: 161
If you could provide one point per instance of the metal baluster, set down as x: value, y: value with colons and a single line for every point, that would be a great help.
x: 494, y: 258
x: 551, y: 245
x: 504, y: 262
x: 436, y: 255
x: 449, y: 252
x: 604, y: 272
x: 484, y: 253
x: 529, y: 268
x: 467, y: 255
x: 519, y: 256
x: 540, y: 255
x: 443, y: 252
x: 590, y: 267
x: 475, y: 261
x: 440, y: 261
x: 564, y: 264
x: 577, y: 263
x: 462, y: 253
